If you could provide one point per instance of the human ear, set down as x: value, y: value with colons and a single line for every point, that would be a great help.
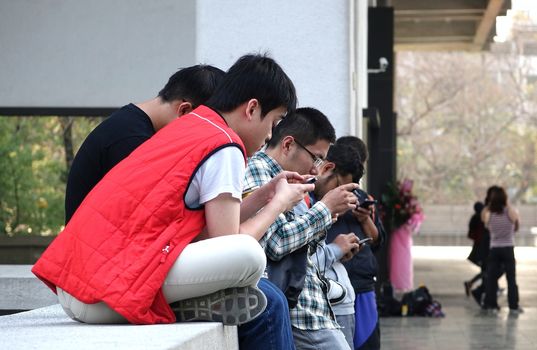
x: 184, y: 108
x: 286, y: 143
x: 251, y: 106
x: 326, y: 167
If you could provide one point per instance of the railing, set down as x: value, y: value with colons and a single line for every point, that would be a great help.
x: 448, y: 225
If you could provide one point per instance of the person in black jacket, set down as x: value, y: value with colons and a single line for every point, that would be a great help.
x: 362, y: 268
x: 476, y: 231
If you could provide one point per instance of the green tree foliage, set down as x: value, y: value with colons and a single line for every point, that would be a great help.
x: 33, y: 173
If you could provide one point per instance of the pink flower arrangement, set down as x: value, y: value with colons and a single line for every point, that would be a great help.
x: 402, y: 206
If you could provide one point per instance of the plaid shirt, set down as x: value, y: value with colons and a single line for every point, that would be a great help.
x: 290, y: 232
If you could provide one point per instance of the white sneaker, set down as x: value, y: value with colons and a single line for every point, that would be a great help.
x: 518, y: 310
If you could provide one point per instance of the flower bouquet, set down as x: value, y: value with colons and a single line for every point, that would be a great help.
x: 402, y: 207
x: 406, y: 215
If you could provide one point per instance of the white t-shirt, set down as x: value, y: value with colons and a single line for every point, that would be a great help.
x: 223, y: 172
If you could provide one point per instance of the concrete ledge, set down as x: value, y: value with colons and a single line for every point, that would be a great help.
x: 21, y: 290
x: 50, y: 328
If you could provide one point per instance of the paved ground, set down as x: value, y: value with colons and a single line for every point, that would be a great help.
x: 443, y: 270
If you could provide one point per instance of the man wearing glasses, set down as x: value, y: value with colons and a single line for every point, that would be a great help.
x: 300, y: 143
x: 317, y: 161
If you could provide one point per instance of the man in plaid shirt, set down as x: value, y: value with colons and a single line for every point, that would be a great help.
x: 300, y: 143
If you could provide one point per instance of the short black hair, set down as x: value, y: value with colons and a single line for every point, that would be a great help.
x: 358, y: 143
x: 193, y: 84
x: 255, y: 76
x: 347, y: 160
x: 307, y: 125
x: 478, y: 207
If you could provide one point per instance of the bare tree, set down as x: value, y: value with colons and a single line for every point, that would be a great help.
x: 465, y: 122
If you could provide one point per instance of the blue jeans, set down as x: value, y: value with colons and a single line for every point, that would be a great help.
x: 332, y: 339
x: 347, y: 323
x: 272, y: 329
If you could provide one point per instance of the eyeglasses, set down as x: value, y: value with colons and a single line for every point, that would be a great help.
x: 317, y: 162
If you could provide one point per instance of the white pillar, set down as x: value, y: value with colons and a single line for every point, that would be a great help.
x: 358, y: 65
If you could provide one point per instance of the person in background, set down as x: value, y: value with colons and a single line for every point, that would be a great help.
x: 502, y: 221
x: 476, y: 231
x: 478, y: 293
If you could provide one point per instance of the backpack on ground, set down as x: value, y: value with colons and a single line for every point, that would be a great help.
x: 419, y: 302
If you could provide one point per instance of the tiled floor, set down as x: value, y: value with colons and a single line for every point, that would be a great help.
x: 443, y: 270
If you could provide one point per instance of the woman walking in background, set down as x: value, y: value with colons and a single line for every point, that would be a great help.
x: 476, y: 231
x: 502, y: 222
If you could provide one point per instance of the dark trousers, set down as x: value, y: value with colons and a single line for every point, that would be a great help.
x: 373, y: 342
x: 499, y: 256
x: 272, y: 329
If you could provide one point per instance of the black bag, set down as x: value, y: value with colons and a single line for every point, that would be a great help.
x: 289, y: 274
x: 417, y: 301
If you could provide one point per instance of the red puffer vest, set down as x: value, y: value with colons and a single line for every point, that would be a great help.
x: 130, y: 229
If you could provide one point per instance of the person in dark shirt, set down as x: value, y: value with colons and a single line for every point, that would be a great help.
x: 342, y: 164
x: 126, y: 129
x: 363, y: 267
x: 476, y: 230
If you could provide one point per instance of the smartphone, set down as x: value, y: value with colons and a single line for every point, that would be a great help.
x: 365, y: 240
x: 311, y: 180
x: 367, y: 203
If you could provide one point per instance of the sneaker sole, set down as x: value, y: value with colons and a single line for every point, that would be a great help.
x: 516, y: 311
x: 232, y: 306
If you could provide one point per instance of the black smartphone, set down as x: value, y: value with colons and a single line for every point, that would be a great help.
x: 365, y: 240
x: 311, y: 180
x: 367, y: 203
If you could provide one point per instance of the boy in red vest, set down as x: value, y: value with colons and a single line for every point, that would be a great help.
x: 162, y: 226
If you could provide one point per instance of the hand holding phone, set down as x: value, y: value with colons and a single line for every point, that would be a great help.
x: 367, y: 203
x: 365, y: 240
x: 361, y: 243
x: 311, y: 180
